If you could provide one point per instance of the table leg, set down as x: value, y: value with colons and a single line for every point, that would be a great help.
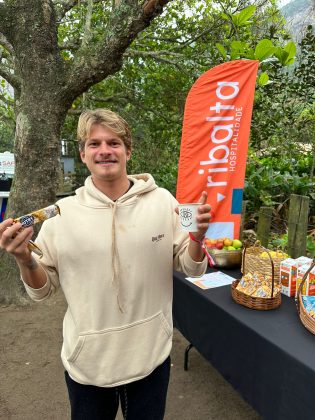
x: 186, y: 356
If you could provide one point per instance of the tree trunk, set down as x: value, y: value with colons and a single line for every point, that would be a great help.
x: 40, y: 113
x: 37, y: 154
x: 46, y: 84
x: 37, y: 157
x: 12, y: 290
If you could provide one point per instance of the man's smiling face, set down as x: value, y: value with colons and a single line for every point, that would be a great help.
x: 105, y: 155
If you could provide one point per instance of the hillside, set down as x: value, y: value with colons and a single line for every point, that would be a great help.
x: 299, y: 14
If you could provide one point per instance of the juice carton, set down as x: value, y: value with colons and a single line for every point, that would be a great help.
x: 300, y: 262
x: 288, y: 274
x: 309, y: 285
x: 303, y: 260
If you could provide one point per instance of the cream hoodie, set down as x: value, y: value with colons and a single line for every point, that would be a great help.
x: 114, y: 262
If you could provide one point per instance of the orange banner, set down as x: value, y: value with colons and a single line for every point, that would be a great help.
x: 214, y: 143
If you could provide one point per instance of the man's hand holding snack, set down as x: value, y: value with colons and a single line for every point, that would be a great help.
x: 14, y: 239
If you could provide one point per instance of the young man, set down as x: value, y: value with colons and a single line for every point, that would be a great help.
x: 113, y: 251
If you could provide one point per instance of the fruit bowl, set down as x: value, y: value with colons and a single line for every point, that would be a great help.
x: 226, y: 259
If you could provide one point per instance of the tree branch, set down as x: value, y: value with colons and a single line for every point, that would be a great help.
x: 8, y: 120
x: 108, y: 98
x: 105, y: 99
x: 3, y: 17
x: 157, y: 55
x: 70, y: 46
x: 87, y: 36
x: 11, y: 78
x: 115, y: 3
x: 6, y: 44
x: 64, y: 6
x: 96, y: 60
x: 151, y: 7
x: 6, y: 100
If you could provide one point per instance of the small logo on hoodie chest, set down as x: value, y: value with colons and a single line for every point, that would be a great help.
x: 158, y: 237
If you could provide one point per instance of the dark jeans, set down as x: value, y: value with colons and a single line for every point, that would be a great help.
x: 140, y: 400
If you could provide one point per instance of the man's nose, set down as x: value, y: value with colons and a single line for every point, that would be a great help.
x: 104, y: 148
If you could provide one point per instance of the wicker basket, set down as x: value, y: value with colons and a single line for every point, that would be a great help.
x: 254, y: 262
x: 306, y: 319
x: 252, y: 302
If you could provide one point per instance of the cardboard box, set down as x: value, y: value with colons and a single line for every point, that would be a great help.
x: 309, y: 285
x: 288, y: 274
x: 303, y: 260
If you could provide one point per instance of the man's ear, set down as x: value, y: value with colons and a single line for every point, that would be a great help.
x: 82, y: 155
x: 128, y: 155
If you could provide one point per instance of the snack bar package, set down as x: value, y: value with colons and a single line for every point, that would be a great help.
x: 309, y: 304
x: 257, y: 285
x: 36, y: 217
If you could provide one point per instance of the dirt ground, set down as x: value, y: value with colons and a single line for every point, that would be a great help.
x: 32, y: 383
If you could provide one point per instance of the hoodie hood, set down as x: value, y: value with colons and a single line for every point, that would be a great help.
x: 91, y: 196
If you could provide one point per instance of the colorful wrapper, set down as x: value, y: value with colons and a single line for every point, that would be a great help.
x: 36, y: 217
x: 309, y: 304
x: 257, y: 285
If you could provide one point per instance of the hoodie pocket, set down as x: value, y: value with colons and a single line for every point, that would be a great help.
x: 117, y: 355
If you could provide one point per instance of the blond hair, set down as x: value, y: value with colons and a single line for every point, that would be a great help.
x: 107, y: 119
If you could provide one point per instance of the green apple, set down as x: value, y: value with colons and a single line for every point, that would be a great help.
x: 231, y: 248
x: 237, y: 243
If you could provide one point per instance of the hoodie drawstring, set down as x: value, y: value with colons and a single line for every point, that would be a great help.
x: 115, y: 259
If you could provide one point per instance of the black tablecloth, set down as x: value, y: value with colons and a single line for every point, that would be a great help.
x: 268, y: 356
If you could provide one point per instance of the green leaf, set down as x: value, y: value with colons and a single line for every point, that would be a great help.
x: 290, y: 48
x: 263, y: 79
x: 221, y: 50
x: 225, y: 16
x: 310, y: 243
x: 235, y: 19
x: 235, y: 54
x: 250, y: 54
x: 281, y: 55
x: 286, y: 55
x: 290, y: 61
x: 246, y: 14
x: 237, y: 45
x: 290, y: 51
x: 278, y: 53
x: 264, y: 49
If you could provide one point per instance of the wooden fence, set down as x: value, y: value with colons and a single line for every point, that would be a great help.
x: 297, y: 225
